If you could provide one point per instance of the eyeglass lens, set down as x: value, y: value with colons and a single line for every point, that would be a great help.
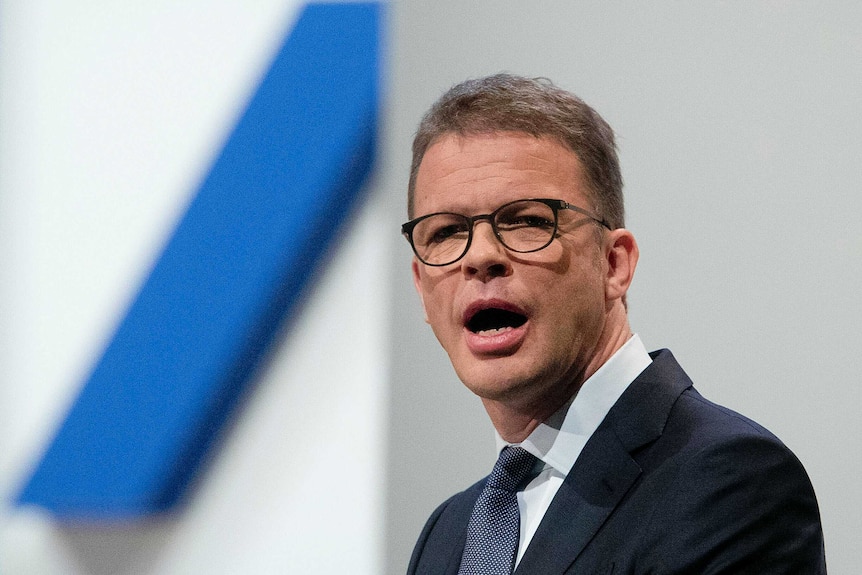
x: 522, y: 226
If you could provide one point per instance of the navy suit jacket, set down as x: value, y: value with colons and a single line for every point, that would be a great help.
x: 669, y: 483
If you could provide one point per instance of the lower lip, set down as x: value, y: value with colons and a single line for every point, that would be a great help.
x: 499, y: 343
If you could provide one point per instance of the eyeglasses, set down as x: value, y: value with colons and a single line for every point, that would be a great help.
x: 522, y: 226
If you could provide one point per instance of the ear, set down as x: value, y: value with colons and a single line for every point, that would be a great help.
x: 621, y: 255
x: 417, y: 283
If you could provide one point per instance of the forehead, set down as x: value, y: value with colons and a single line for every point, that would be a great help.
x: 474, y: 173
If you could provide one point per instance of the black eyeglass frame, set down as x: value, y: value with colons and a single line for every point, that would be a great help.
x: 555, y: 205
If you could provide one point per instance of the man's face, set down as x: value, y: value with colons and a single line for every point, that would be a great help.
x: 520, y: 328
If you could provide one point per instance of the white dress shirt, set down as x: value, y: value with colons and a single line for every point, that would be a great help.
x: 558, y: 442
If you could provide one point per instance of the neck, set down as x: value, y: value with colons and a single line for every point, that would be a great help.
x: 516, y: 419
x: 513, y: 425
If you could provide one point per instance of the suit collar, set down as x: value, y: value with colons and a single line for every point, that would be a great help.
x: 605, y: 470
x: 642, y: 411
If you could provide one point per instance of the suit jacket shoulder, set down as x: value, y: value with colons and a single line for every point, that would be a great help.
x: 668, y: 483
x: 673, y: 483
x: 441, y: 542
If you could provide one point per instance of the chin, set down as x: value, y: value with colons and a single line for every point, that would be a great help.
x: 495, y: 384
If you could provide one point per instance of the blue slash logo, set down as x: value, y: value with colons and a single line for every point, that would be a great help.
x: 232, y: 270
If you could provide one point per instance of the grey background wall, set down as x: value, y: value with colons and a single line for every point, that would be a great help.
x: 739, y: 129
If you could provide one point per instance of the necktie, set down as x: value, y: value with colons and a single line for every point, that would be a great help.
x: 494, y: 527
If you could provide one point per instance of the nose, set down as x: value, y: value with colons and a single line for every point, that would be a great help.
x: 487, y: 257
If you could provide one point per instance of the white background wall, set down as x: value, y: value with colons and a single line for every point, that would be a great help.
x: 110, y: 114
x: 739, y: 125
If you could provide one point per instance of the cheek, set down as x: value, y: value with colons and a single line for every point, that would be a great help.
x: 437, y: 302
x: 576, y: 307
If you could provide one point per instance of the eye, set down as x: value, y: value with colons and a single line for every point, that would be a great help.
x: 526, y: 215
x: 528, y: 221
x: 448, y: 232
x: 440, y: 229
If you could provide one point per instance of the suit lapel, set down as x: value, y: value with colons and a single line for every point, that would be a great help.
x: 585, y: 500
x: 606, y: 470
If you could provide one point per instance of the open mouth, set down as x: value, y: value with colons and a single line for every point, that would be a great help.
x: 495, y: 320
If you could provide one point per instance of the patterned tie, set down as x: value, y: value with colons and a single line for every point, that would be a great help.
x: 494, y: 527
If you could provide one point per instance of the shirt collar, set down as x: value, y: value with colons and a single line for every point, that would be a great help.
x: 560, y: 444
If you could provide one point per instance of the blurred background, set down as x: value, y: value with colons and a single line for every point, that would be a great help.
x: 739, y: 127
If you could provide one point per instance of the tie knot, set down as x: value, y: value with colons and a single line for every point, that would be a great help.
x: 512, y: 468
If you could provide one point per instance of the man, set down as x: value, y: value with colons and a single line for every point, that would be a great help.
x: 610, y: 461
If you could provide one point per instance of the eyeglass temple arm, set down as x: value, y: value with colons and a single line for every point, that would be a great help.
x: 584, y: 212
